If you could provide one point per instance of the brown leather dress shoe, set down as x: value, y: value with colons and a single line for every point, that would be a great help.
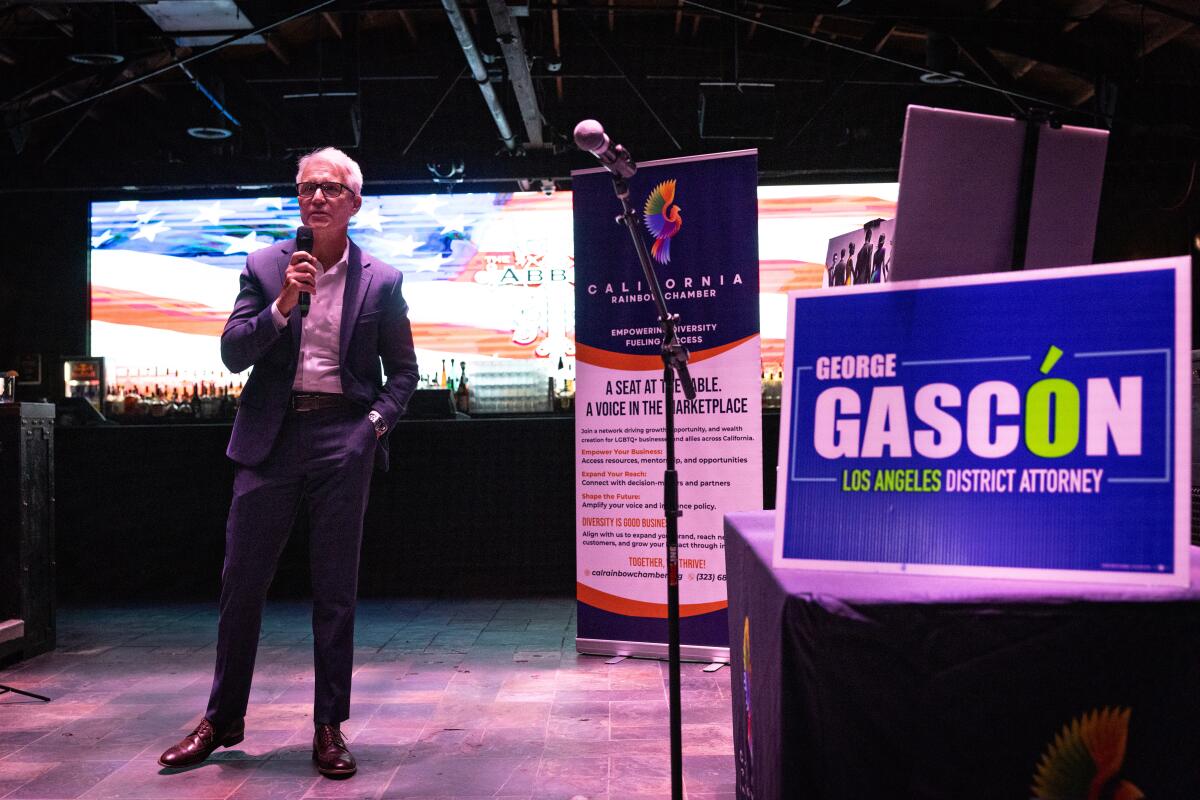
x: 333, y: 758
x: 200, y: 744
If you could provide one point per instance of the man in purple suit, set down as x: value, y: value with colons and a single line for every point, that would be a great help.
x: 313, y: 421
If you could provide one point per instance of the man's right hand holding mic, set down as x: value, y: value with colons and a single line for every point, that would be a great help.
x: 300, y: 277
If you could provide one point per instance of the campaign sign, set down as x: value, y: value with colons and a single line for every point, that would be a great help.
x: 1025, y: 425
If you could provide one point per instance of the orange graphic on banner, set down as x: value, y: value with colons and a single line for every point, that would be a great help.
x: 639, y: 608
x: 124, y: 307
x: 778, y: 275
x: 827, y: 205
x: 610, y: 360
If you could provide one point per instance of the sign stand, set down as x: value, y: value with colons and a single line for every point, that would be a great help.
x: 1034, y: 120
x: 5, y: 689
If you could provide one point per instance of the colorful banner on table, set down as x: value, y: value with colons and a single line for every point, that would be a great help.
x: 861, y: 256
x: 699, y: 220
x: 1029, y: 424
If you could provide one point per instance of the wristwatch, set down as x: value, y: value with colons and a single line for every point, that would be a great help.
x: 381, y: 426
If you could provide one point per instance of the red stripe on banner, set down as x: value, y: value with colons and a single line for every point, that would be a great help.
x: 468, y: 340
x: 538, y: 202
x: 826, y: 205
x: 785, y: 275
x: 771, y: 351
x: 638, y: 608
x: 123, y: 307
x: 627, y: 361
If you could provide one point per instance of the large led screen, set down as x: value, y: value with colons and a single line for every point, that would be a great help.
x: 488, y: 277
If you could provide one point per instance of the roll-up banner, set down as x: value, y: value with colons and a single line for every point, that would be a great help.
x: 699, y: 220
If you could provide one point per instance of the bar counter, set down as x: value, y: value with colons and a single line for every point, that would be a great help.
x: 470, y: 506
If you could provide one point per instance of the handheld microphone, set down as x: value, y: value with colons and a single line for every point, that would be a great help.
x: 590, y: 136
x: 304, y: 241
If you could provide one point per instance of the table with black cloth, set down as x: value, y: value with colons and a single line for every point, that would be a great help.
x: 869, y: 685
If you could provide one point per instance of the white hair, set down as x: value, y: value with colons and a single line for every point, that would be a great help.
x: 336, y: 157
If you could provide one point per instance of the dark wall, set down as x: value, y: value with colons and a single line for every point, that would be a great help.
x: 1147, y: 210
x: 469, y: 507
x: 43, y: 283
x: 484, y: 506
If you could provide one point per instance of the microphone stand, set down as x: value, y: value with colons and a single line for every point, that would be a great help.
x: 675, y: 359
x: 5, y: 689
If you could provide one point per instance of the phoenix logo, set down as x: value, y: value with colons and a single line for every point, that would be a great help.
x: 1083, y: 761
x: 662, y: 220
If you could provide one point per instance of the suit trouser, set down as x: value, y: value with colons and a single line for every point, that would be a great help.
x: 325, y: 457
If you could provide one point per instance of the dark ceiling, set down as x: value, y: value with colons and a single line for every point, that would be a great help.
x: 819, y: 86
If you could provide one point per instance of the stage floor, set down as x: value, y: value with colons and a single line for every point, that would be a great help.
x: 452, y: 699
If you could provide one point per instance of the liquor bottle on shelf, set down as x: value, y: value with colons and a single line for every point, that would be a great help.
x: 442, y: 376
x: 462, y: 395
x: 209, y: 402
x: 772, y: 387
x: 133, y: 402
x: 196, y: 402
x: 184, y: 409
x: 157, y: 406
x: 564, y: 398
x: 113, y: 405
x: 225, y: 405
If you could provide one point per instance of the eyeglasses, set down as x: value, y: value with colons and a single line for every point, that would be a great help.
x: 328, y: 188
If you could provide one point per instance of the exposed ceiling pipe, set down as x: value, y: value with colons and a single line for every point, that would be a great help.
x: 513, y: 48
x: 479, y: 71
x: 217, y: 104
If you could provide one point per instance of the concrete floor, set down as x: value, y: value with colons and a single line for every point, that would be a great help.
x: 452, y: 699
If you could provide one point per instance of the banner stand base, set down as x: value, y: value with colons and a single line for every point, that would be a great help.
x: 699, y: 654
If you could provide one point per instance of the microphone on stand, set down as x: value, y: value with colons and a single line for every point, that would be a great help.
x: 304, y: 241
x: 590, y: 136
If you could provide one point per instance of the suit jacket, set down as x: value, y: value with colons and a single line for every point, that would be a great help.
x: 862, y: 265
x: 374, y: 329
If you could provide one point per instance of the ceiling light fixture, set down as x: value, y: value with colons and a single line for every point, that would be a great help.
x: 96, y: 59
x: 448, y: 171
x: 209, y: 132
x: 941, y: 78
x: 941, y: 60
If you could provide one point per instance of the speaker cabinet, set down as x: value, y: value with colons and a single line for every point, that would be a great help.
x: 27, y: 607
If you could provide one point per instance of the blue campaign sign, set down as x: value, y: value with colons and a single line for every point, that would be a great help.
x: 1030, y: 424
